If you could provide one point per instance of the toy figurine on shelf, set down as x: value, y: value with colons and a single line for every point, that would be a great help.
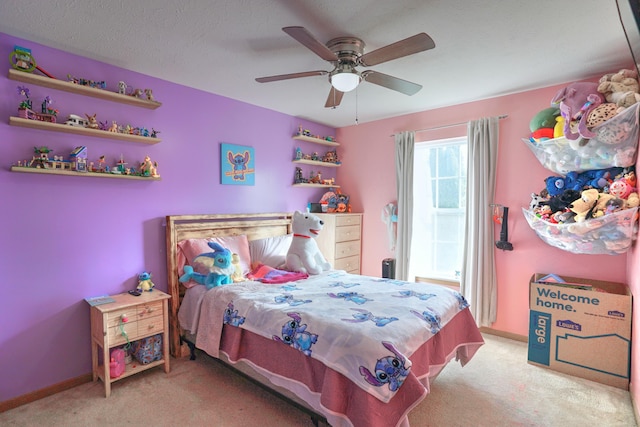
x: 26, y: 102
x: 102, y: 164
x: 78, y: 159
x: 154, y: 133
x: 298, y: 179
x: 122, y: 87
x: 149, y: 94
x: 299, y: 153
x: 92, y: 122
x: 113, y: 127
x: 40, y: 158
x: 149, y: 168
x: 315, y: 178
x: 121, y: 167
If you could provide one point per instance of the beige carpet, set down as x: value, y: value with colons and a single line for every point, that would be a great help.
x: 497, y: 388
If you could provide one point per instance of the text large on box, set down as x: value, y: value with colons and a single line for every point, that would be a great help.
x: 583, y: 332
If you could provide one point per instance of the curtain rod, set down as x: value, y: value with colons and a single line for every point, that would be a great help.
x: 503, y: 116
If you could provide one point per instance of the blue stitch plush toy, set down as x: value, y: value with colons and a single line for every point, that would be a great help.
x: 219, y: 264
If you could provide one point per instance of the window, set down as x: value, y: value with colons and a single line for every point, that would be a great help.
x: 439, y: 195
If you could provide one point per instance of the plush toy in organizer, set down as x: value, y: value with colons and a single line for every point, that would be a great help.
x: 576, y: 101
x: 621, y: 88
x: 601, y: 114
x: 219, y: 263
x: 591, y: 204
x: 543, y: 123
x: 598, y: 178
x: 304, y: 256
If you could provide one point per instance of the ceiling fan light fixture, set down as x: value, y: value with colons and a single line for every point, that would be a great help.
x: 345, y: 80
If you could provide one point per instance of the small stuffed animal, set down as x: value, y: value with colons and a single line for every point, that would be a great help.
x: 584, y: 206
x: 576, y: 101
x: 144, y: 282
x: 304, y: 256
x: 237, y: 275
x: 219, y: 264
x: 620, y: 88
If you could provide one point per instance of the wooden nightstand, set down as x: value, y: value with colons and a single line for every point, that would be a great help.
x: 145, y: 315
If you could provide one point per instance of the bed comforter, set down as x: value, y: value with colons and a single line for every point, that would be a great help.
x: 375, y: 333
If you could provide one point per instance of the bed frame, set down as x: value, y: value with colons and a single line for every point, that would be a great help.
x: 181, y: 227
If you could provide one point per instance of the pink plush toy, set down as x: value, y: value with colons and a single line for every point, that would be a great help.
x: 576, y: 101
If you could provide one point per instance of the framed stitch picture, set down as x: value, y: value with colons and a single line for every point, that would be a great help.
x: 237, y: 164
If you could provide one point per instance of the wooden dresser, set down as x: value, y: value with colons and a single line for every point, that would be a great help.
x: 340, y: 240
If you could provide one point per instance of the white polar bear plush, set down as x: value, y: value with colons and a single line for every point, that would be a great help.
x: 303, y: 255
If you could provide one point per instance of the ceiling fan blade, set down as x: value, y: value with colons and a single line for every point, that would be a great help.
x: 334, y: 98
x: 390, y: 82
x: 291, y: 76
x: 418, y: 43
x: 303, y: 36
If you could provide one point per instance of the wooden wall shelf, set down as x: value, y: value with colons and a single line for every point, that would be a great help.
x: 66, y: 86
x: 316, y: 140
x: 84, y: 174
x: 76, y: 130
x: 307, y: 184
x: 317, y: 163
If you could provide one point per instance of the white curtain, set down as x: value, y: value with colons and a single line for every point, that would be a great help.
x: 423, y: 220
x: 404, y: 145
x: 478, y: 281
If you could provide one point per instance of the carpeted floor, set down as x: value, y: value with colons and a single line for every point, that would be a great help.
x: 497, y: 388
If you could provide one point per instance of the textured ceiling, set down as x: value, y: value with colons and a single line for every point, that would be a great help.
x: 484, y: 48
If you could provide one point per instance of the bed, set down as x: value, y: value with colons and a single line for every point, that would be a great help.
x: 355, y: 350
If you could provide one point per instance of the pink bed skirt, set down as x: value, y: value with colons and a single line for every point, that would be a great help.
x: 339, y: 397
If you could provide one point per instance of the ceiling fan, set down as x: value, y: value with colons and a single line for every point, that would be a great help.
x: 347, y: 53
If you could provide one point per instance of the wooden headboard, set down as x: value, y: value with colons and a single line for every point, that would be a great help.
x: 182, y: 227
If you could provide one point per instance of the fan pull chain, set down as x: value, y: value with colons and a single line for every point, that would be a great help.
x: 356, y: 105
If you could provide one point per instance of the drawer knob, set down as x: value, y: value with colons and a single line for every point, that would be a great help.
x: 151, y: 327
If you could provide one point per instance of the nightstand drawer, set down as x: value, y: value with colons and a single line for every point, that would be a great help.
x: 150, y: 309
x: 349, y: 264
x: 115, y: 333
x: 347, y: 249
x: 350, y: 232
x: 114, y: 317
x: 343, y: 220
x: 151, y: 325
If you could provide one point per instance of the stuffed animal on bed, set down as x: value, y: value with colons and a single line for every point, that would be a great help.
x: 219, y: 263
x: 304, y: 256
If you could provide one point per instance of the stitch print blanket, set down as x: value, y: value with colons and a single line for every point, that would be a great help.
x: 366, y: 328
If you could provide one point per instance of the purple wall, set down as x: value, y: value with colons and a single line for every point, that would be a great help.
x: 66, y: 238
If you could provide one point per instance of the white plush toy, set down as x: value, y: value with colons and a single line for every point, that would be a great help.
x: 303, y: 255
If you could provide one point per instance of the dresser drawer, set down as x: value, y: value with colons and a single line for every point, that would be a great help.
x: 349, y: 232
x: 344, y: 220
x: 349, y: 264
x: 347, y: 249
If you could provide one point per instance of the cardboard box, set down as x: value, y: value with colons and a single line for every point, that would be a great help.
x: 581, y: 330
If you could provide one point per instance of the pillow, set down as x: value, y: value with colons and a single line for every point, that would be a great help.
x: 189, y: 249
x: 271, y: 251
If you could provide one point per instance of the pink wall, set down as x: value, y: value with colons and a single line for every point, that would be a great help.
x: 67, y: 238
x: 371, y: 185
